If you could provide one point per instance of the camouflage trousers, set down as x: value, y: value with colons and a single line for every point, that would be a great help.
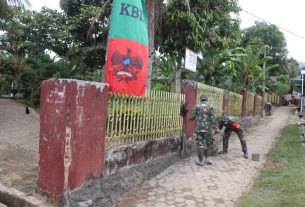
x: 204, y: 143
x: 241, y: 136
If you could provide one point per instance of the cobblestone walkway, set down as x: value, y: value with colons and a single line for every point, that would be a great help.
x: 185, y: 184
x: 19, y: 133
x: 18, y: 128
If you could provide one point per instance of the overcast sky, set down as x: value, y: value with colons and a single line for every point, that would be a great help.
x: 289, y: 15
x: 283, y: 13
x: 38, y: 4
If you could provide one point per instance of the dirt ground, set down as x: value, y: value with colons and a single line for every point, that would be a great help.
x: 18, y: 168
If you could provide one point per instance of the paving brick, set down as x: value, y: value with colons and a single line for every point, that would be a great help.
x: 222, y: 183
x: 18, y: 128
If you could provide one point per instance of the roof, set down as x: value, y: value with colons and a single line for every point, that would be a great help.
x: 297, y: 83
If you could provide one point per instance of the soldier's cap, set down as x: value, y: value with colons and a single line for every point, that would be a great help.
x: 203, y: 98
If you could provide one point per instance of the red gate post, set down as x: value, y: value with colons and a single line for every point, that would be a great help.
x: 189, y: 89
x: 72, y: 135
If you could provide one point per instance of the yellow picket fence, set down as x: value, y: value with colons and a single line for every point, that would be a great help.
x: 265, y: 97
x: 133, y: 119
x: 259, y: 103
x: 269, y: 98
x: 235, y: 104
x: 215, y: 96
x: 250, y: 101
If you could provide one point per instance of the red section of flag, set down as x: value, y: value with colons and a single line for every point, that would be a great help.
x: 126, y: 66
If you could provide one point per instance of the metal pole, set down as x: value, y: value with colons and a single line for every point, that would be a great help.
x: 301, y: 110
x: 301, y: 105
x: 264, y: 68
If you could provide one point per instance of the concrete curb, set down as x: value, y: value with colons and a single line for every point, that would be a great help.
x: 14, y: 198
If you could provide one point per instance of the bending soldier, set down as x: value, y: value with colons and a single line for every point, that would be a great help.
x: 231, y: 123
x: 204, y: 115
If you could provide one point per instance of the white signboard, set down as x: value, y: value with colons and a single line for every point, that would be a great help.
x: 190, y: 61
x: 302, y: 72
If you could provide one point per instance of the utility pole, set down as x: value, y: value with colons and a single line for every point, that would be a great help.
x: 264, y: 77
x: 302, y: 73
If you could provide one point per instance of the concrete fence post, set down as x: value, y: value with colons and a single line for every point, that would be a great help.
x: 72, y: 136
x: 243, y: 92
x: 189, y: 89
x: 225, y: 103
x: 254, y: 107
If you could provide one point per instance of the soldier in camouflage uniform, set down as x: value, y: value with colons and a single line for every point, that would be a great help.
x: 231, y: 123
x: 204, y: 115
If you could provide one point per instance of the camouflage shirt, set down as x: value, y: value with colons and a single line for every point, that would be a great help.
x: 230, y: 122
x: 204, y: 115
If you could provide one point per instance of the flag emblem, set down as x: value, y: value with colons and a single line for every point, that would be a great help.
x: 126, y: 66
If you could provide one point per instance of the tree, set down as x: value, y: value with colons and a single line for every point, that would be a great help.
x: 13, y: 42
x: 283, y: 84
x: 5, y: 9
x: 269, y: 35
x: 249, y: 66
x: 217, y: 65
x: 198, y: 28
x: 91, y: 16
x: 155, y: 13
x: 23, y: 42
x: 292, y: 68
x: 163, y: 73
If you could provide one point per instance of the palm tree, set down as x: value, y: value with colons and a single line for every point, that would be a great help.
x: 155, y: 14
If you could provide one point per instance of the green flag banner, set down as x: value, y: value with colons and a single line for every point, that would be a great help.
x: 127, y: 51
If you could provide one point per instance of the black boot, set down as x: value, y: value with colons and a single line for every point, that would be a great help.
x: 208, y: 155
x: 245, y: 151
x: 225, y: 146
x: 200, y: 152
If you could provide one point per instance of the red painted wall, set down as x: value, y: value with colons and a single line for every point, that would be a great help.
x: 75, y: 110
x: 53, y: 109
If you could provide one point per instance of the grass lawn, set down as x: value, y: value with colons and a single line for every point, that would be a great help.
x: 27, y: 102
x: 282, y: 180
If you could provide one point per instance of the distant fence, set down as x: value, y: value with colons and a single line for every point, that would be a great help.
x: 132, y: 119
x: 235, y: 103
x: 272, y: 98
x: 259, y: 103
x: 269, y: 98
x: 250, y: 102
x: 265, y: 97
